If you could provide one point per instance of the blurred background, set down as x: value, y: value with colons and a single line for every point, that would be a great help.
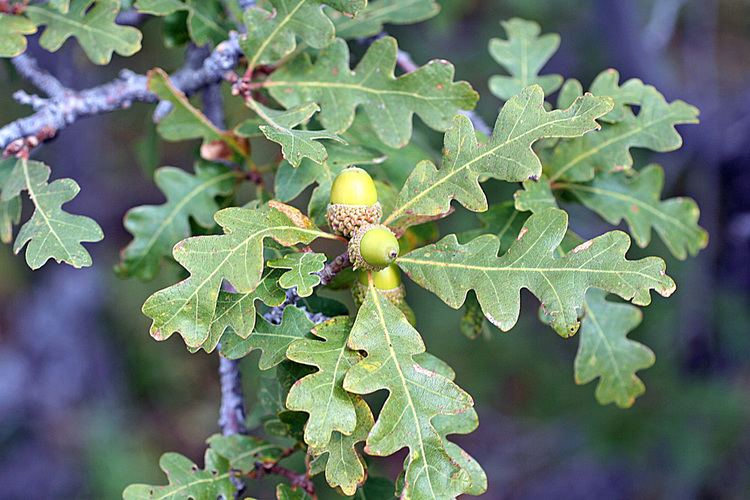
x: 88, y: 401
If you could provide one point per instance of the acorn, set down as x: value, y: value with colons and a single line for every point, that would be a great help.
x: 354, y: 202
x: 388, y: 282
x: 372, y: 247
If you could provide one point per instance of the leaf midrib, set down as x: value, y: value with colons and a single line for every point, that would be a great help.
x: 176, y: 210
x: 38, y: 207
x: 397, y: 213
x: 407, y: 393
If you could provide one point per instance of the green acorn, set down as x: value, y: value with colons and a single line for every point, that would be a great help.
x: 354, y: 202
x: 372, y: 247
x: 388, y: 282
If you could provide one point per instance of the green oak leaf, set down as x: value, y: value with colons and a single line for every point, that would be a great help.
x: 635, y: 197
x: 607, y: 83
x: 92, y: 23
x: 416, y: 397
x: 394, y: 164
x: 303, y: 271
x: 51, y: 233
x: 61, y: 5
x: 344, y: 467
x: 12, y: 34
x: 606, y: 352
x: 244, y: 452
x: 507, y: 155
x: 205, y: 20
x: 295, y: 144
x: 523, y: 55
x: 388, y: 102
x: 273, y: 27
x: 235, y: 314
x: 321, y: 394
x: 184, y: 120
x: 187, y: 480
x: 10, y: 208
x: 535, y: 196
x: 286, y: 492
x: 459, y: 423
x: 156, y: 228
x: 450, y: 270
x: 369, y: 21
x: 502, y: 220
x: 462, y: 423
x: 271, y: 340
x: 376, y: 488
x: 609, y: 149
x: 189, y: 306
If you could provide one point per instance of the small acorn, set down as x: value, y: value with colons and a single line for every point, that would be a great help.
x: 354, y: 202
x: 388, y: 282
x: 372, y: 247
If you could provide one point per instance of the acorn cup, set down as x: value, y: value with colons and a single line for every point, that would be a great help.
x: 388, y: 283
x: 354, y: 202
x: 372, y: 247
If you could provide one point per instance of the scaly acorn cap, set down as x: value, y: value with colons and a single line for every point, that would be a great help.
x: 372, y: 247
x: 353, y: 203
x: 388, y: 283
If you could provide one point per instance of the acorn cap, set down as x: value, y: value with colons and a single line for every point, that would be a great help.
x: 345, y: 219
x: 372, y: 247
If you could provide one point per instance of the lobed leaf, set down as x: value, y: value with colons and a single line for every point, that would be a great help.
x: 321, y: 394
x: 51, y: 233
x: 388, y: 102
x: 156, y: 228
x: 535, y: 196
x: 189, y: 306
x: 369, y: 21
x: 235, y: 315
x: 606, y: 353
x: 450, y: 270
x: 205, y: 21
x: 244, y: 452
x: 344, y: 467
x: 273, y: 27
x: 609, y: 149
x: 185, y: 121
x: 187, y: 480
x: 272, y: 340
x: 416, y: 396
x: 278, y: 127
x: 13, y: 31
x: 523, y: 55
x: 507, y: 155
x: 92, y: 23
x: 286, y: 492
x: 635, y: 197
x: 303, y: 271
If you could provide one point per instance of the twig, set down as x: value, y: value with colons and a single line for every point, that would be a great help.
x: 232, y: 412
x: 42, y: 79
x: 61, y: 111
x: 297, y: 479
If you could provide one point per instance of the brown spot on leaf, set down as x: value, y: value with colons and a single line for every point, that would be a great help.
x: 583, y: 246
x: 522, y: 233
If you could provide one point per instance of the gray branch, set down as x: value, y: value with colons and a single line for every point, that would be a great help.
x: 59, y: 111
x: 28, y: 68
